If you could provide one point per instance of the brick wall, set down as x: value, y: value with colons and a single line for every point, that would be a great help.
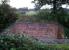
x: 40, y: 30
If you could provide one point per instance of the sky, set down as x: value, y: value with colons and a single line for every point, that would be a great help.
x: 22, y: 3
x: 28, y: 3
x: 25, y: 3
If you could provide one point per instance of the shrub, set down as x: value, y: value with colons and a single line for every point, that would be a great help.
x: 7, y: 16
x: 24, y: 42
x: 43, y: 15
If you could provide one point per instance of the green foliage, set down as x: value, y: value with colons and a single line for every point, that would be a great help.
x: 43, y: 15
x: 23, y: 42
x: 62, y: 17
x: 56, y: 3
x: 7, y: 15
x: 66, y: 31
x: 46, y: 15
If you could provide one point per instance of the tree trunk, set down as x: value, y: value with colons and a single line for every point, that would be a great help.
x: 54, y: 6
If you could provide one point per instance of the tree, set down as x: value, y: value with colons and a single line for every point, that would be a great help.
x: 7, y: 15
x: 55, y: 3
x: 57, y: 11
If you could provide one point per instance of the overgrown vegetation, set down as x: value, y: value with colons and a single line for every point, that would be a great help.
x: 43, y: 15
x: 10, y: 41
x: 7, y: 15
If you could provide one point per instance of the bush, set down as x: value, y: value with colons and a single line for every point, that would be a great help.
x: 23, y: 42
x: 7, y: 16
x: 43, y: 15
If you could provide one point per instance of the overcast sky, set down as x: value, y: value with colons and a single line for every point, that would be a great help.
x: 21, y: 3
x: 26, y: 3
